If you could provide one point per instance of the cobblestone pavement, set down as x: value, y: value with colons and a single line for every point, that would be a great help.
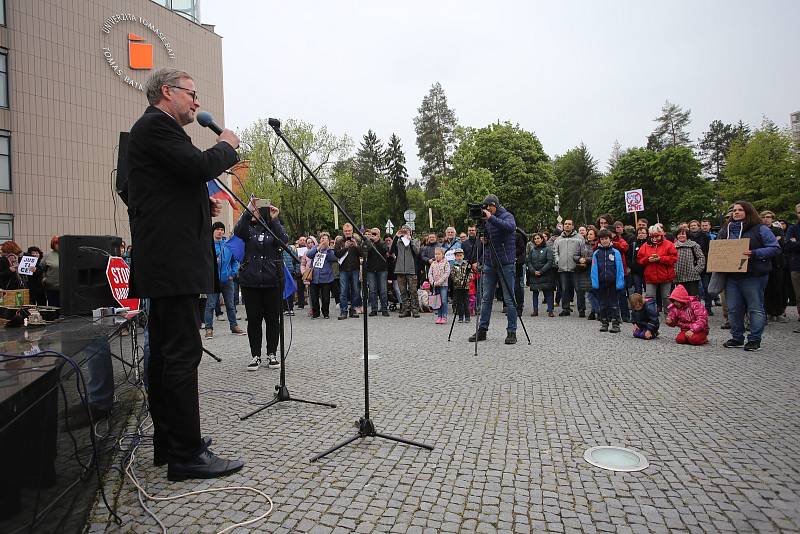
x: 720, y: 427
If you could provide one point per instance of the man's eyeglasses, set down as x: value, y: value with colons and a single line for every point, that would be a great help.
x: 193, y: 94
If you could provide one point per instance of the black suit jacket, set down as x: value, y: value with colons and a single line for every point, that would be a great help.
x: 169, y: 209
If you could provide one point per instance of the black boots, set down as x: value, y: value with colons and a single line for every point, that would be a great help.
x: 481, y: 336
x: 511, y: 338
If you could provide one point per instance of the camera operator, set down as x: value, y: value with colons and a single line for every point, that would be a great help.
x: 500, y: 234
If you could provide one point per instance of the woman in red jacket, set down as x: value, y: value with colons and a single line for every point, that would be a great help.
x: 658, y: 257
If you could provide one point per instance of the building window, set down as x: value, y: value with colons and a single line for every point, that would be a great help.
x: 6, y: 226
x: 3, y: 77
x: 2, y: 12
x: 5, y: 160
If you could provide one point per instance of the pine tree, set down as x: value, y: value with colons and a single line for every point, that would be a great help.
x: 714, y: 146
x: 616, y: 152
x: 435, y: 126
x: 370, y: 160
x: 671, y: 130
x: 578, y: 182
x: 398, y: 177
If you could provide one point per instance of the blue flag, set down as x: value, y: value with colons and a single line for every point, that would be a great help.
x: 289, y: 285
x: 236, y: 246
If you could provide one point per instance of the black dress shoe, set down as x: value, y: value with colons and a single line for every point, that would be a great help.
x: 158, y: 459
x: 204, y: 465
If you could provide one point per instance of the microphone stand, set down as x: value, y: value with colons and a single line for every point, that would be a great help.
x: 366, y: 428
x: 281, y: 391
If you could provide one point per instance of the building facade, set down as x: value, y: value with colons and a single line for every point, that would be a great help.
x: 71, y: 79
x: 794, y: 124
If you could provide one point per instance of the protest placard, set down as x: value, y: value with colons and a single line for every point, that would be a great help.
x: 727, y: 255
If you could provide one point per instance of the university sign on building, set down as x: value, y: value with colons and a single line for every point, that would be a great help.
x: 136, y: 46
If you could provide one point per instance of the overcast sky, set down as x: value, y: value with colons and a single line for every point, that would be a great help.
x: 570, y: 71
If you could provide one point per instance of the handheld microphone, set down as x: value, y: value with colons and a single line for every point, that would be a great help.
x: 205, y: 120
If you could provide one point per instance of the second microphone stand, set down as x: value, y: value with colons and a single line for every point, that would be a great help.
x: 366, y: 428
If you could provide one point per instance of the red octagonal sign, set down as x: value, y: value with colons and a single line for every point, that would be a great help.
x: 118, y: 274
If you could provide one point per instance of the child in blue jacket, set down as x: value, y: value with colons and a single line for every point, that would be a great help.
x: 608, y: 280
x: 644, y: 316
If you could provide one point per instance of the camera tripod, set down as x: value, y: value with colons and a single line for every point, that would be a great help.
x: 481, y: 232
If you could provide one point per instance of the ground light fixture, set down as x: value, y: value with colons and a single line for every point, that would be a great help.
x: 616, y: 458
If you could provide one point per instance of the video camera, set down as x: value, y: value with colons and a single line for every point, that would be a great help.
x: 476, y: 211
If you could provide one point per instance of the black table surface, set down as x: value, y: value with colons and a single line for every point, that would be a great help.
x: 67, y: 336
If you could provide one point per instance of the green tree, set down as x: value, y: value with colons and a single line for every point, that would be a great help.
x: 505, y: 160
x: 671, y: 130
x: 398, y: 178
x: 578, y: 182
x: 435, y: 126
x: 714, y: 146
x: 276, y: 174
x: 763, y: 169
x: 369, y: 163
x: 673, y: 187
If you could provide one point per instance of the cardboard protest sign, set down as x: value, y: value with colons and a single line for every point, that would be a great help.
x: 727, y: 255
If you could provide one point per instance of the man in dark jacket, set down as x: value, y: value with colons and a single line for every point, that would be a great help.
x: 348, y: 252
x: 498, y: 259
x: 173, y: 263
x: 376, y: 267
x: 469, y: 245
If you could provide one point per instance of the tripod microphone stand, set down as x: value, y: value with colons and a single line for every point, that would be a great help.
x: 366, y: 428
x: 281, y: 391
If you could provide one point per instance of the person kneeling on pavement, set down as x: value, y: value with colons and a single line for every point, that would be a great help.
x: 689, y: 314
x: 644, y: 316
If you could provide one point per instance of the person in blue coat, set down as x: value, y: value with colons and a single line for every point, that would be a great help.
x: 608, y: 280
x: 500, y: 232
x: 227, y: 269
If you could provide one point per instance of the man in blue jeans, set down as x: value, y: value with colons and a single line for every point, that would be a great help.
x: 227, y: 267
x: 348, y: 252
x: 498, y: 257
x: 376, y: 267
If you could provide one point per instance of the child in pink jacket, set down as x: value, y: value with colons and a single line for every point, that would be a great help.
x: 689, y: 315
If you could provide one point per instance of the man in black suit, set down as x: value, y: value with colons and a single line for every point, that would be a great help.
x: 172, y: 263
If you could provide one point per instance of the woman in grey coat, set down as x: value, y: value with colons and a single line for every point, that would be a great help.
x: 541, y: 273
x: 583, y: 266
x: 691, y: 262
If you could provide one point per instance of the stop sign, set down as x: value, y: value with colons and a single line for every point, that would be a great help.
x: 118, y: 274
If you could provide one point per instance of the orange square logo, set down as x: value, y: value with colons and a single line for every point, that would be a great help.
x: 140, y: 55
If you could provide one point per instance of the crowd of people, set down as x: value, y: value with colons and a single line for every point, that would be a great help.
x: 606, y: 271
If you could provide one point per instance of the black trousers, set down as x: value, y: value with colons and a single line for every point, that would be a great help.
x: 322, y: 291
x: 175, y: 352
x: 263, y: 304
x: 460, y: 307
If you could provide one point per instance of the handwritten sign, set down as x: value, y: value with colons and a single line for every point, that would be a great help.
x: 727, y: 255
x: 634, y: 200
x: 26, y: 265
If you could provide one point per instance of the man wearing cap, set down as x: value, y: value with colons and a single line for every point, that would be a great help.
x: 498, y: 258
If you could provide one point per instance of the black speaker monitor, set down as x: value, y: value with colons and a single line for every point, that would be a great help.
x: 82, y: 272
